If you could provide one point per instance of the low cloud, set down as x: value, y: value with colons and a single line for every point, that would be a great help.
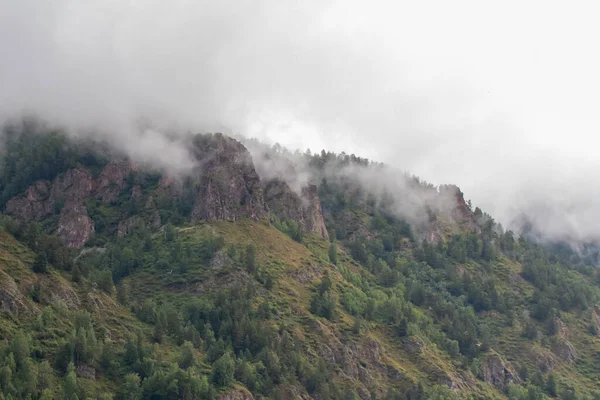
x: 446, y: 91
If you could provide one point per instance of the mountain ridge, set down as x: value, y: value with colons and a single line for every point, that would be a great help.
x: 310, y: 284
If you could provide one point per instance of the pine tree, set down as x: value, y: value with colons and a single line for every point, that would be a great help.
x: 131, y: 389
x: 333, y: 253
x: 250, y: 259
x: 223, y: 370
x: 187, y: 358
x: 70, y: 387
x: 76, y: 273
x: 40, y: 265
x: 551, y: 386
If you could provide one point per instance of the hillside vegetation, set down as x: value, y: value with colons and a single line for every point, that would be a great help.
x: 119, y: 282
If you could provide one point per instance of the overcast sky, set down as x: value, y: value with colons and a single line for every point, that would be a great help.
x: 499, y: 97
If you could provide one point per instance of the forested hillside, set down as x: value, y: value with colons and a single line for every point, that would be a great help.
x: 267, y: 274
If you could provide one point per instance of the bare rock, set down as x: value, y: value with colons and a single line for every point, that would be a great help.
x: 364, y: 375
x: 291, y: 392
x: 228, y: 186
x: 236, y: 394
x: 54, y: 290
x: 86, y: 372
x: 156, y: 222
x: 74, y: 186
x: 75, y: 226
x: 545, y: 360
x: 112, y: 180
x: 564, y: 350
x: 413, y: 344
x: 497, y: 372
x: 561, y: 328
x: 35, y: 205
x: 313, y: 214
x: 136, y: 192
x: 452, y: 201
x: 327, y: 353
x: 69, y: 190
x: 127, y: 226
x: 169, y: 186
x: 305, y: 209
x: 11, y: 298
x: 596, y: 320
x: 364, y: 394
x: 221, y: 260
x: 354, y: 227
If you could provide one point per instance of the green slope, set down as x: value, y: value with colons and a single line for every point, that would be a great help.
x: 240, y: 309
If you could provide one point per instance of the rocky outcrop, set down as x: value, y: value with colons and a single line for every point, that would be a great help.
x: 169, y: 186
x: 35, y: 204
x: 544, y: 360
x: 54, y: 291
x: 451, y: 202
x: 11, y: 298
x: 560, y: 344
x: 596, y: 320
x: 236, y: 394
x: 413, y: 344
x: 68, y: 193
x: 112, y: 180
x: 354, y: 227
x: 291, y: 392
x: 228, y: 186
x: 497, y: 372
x: 127, y: 226
x: 313, y: 215
x: 75, y: 226
x: 86, y: 372
x: 221, y: 260
x: 564, y: 350
x: 305, y: 208
x: 223, y: 186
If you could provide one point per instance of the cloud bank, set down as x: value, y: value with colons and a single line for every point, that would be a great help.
x: 498, y: 98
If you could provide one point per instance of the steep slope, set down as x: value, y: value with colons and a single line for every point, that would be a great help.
x: 120, y: 282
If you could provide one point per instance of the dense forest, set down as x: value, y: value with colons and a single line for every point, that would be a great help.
x: 159, y: 304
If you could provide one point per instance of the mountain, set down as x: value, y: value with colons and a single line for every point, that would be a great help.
x: 261, y: 273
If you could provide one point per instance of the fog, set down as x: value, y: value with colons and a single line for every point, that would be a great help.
x: 497, y: 97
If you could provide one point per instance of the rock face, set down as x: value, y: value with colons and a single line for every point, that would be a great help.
x: 561, y: 345
x: 304, y: 209
x: 75, y: 227
x: 228, y: 185
x: 55, y: 290
x: 497, y: 372
x: 35, y: 204
x: 313, y: 215
x: 223, y: 186
x: 11, y: 298
x: 237, y: 394
x: 68, y: 193
x: 564, y: 350
x: 452, y: 201
x: 126, y: 226
x: 112, y: 180
x: 85, y: 371
x: 596, y: 320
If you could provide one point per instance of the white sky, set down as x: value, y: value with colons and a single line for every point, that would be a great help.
x: 499, y: 97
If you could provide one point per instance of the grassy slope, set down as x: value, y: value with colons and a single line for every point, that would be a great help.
x: 297, y: 269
